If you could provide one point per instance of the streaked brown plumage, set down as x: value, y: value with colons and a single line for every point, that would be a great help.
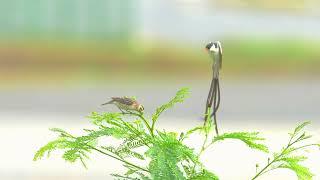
x: 125, y: 103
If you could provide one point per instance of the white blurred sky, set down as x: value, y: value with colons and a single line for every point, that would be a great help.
x: 194, y: 20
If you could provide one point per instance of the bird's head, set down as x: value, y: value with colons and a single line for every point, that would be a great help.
x: 140, y: 108
x: 214, y: 47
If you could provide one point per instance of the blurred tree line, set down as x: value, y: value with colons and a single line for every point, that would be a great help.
x: 284, y: 5
x: 66, y: 18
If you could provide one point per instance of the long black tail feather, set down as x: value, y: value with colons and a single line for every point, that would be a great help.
x: 213, y: 101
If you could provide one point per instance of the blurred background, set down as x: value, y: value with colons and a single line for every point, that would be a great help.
x: 59, y: 60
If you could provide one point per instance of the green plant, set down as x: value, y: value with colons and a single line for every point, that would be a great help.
x: 163, y: 155
x: 288, y: 157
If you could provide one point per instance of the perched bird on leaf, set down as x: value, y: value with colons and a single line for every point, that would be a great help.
x: 126, y: 104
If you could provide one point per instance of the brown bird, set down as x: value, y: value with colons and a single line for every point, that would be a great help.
x: 126, y: 104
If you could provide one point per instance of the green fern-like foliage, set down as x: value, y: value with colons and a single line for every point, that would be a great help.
x: 161, y: 155
x: 250, y: 139
x: 289, y: 158
x: 166, y: 153
x: 179, y: 98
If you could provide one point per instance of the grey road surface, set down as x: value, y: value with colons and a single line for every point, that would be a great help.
x: 245, y: 101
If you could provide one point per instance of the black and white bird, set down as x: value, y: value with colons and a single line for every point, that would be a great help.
x: 213, y: 101
x: 215, y: 51
x: 126, y: 104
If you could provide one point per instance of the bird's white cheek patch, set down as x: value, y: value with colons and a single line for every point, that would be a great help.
x: 213, y: 49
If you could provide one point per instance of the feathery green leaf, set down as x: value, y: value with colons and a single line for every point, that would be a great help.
x: 179, y: 98
x: 165, y: 155
x: 249, y: 138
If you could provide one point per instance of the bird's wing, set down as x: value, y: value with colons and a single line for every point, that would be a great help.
x: 123, y: 100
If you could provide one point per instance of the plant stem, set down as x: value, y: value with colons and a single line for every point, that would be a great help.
x: 152, y: 125
x: 144, y: 121
x: 203, y: 147
x: 207, y: 122
x: 306, y: 146
x: 136, y: 132
x: 147, y: 124
x: 262, y: 171
x: 122, y: 160
x: 274, y: 160
x: 117, y: 158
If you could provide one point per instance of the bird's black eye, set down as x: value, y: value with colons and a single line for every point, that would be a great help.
x: 209, y: 45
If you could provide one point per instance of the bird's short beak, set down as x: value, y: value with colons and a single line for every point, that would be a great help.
x: 207, y: 50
